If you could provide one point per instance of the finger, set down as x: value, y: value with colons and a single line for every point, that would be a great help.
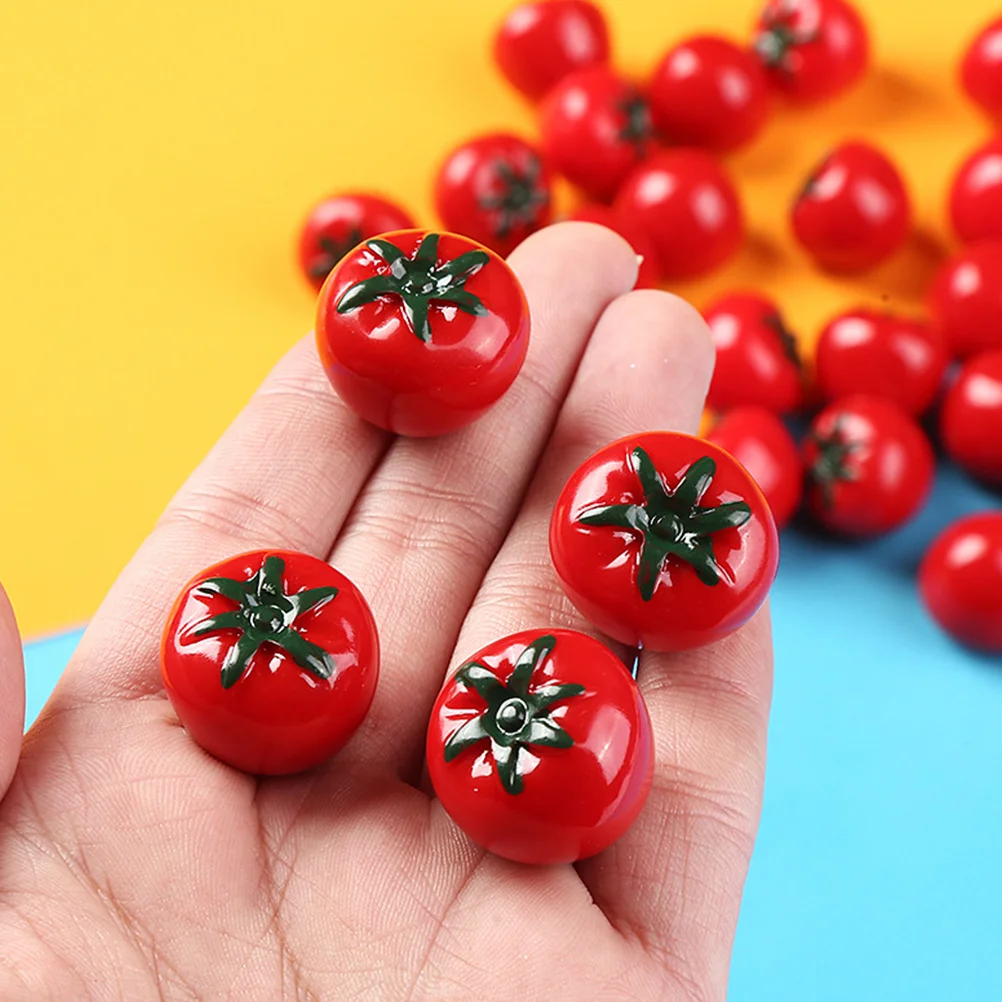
x: 285, y: 474
x: 11, y: 693
x: 433, y: 516
x: 648, y: 367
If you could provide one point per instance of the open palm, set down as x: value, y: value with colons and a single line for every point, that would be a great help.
x: 134, y: 866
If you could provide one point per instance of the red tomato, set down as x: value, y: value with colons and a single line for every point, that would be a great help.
x: 760, y: 442
x: 961, y: 580
x: 540, y: 747
x: 596, y: 127
x: 495, y: 190
x: 966, y: 299
x: 976, y: 194
x: 422, y: 332
x: 812, y: 49
x: 981, y: 69
x: 879, y: 354
x: 270, y: 659
x: 538, y: 44
x: 757, y: 358
x: 971, y: 417
x: 709, y: 92
x: 854, y: 211
x: 648, y: 275
x: 664, y: 540
x: 869, y: 466
x: 340, y: 223
x: 686, y: 203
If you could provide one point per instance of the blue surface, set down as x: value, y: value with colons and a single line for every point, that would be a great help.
x: 878, y: 871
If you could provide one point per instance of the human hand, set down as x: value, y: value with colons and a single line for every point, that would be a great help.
x: 135, y: 866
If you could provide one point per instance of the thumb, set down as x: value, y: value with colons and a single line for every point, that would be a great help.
x: 11, y: 693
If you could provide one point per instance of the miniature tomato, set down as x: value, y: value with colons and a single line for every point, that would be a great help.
x: 664, y: 540
x: 270, y: 660
x: 879, y: 354
x: 648, y: 275
x: 757, y: 358
x: 540, y: 747
x: 812, y: 49
x: 869, y: 466
x: 853, y: 212
x: 971, y: 417
x: 981, y: 69
x: 961, y: 580
x: 709, y: 92
x: 495, y: 190
x: 422, y: 332
x: 596, y: 127
x: 965, y: 299
x: 685, y: 202
x: 976, y: 194
x: 761, y: 443
x: 340, y: 223
x: 538, y: 44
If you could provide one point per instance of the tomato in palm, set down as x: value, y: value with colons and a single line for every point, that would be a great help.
x: 270, y: 660
x: 648, y: 275
x: 965, y: 299
x: 976, y: 194
x: 961, y: 580
x: 540, y: 747
x: 422, y: 332
x: 869, y: 466
x: 882, y: 355
x: 854, y: 211
x: 664, y: 540
x: 761, y: 443
x: 685, y: 202
x: 540, y: 43
x: 981, y: 69
x: 339, y: 224
x: 596, y: 127
x: 757, y: 358
x: 495, y: 190
x: 812, y: 49
x: 709, y: 92
x: 971, y: 417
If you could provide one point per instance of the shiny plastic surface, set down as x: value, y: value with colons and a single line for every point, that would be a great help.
x: 971, y: 417
x: 981, y: 69
x: 965, y: 299
x: 278, y: 717
x: 575, y: 800
x: 976, y: 194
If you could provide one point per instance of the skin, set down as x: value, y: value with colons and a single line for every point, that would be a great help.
x: 134, y: 866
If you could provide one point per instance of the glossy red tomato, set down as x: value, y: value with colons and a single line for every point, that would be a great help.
x: 981, y: 69
x: 961, y: 580
x: 540, y: 747
x: 965, y: 299
x: 648, y: 274
x: 494, y: 189
x: 761, y: 443
x: 757, y: 358
x: 596, y: 127
x: 339, y: 224
x: 976, y: 194
x: 896, y: 358
x: 270, y: 659
x: 971, y: 417
x: 422, y: 332
x: 812, y: 49
x: 664, y: 540
x: 686, y: 203
x: 538, y: 44
x: 854, y: 211
x: 869, y: 466
x: 709, y: 92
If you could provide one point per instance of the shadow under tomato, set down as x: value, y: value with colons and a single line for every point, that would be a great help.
x: 903, y: 281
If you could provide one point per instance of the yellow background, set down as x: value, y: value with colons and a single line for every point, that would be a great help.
x: 157, y: 159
